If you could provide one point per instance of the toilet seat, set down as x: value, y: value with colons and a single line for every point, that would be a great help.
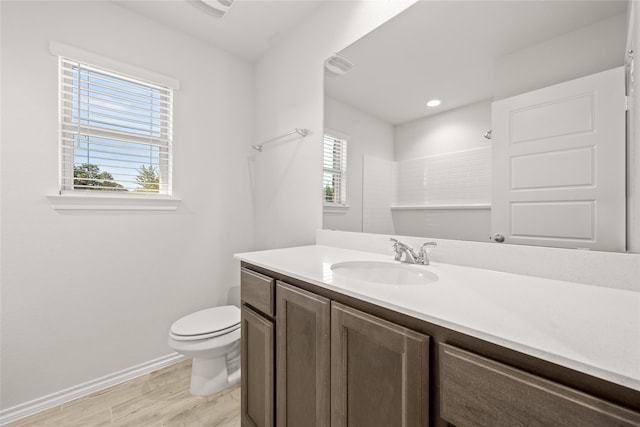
x: 205, y: 324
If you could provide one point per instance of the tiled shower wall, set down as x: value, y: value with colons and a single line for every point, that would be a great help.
x: 458, y: 178
x: 435, y: 196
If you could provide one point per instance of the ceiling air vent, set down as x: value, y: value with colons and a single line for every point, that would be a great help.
x: 337, y: 65
x: 217, y: 8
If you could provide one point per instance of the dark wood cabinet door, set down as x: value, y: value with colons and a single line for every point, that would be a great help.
x: 379, y: 372
x: 477, y: 391
x: 303, y: 349
x: 257, y: 391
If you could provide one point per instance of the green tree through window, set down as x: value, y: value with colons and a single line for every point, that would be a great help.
x: 148, y: 180
x: 89, y: 176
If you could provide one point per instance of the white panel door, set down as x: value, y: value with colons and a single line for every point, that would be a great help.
x: 558, y: 158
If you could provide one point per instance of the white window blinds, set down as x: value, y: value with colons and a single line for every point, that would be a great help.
x: 115, y: 131
x: 335, y: 170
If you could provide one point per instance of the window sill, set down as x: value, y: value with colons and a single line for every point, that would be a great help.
x: 82, y: 202
x: 340, y: 209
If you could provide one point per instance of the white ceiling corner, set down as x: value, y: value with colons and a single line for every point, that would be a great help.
x: 247, y: 30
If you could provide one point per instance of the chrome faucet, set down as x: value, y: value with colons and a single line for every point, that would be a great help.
x: 402, y: 249
x: 405, y: 253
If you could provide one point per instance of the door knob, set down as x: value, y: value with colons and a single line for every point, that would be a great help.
x: 498, y: 238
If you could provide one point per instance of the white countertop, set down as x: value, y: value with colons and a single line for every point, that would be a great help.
x: 592, y: 329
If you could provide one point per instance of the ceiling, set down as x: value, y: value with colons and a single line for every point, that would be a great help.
x: 447, y: 50
x: 247, y: 30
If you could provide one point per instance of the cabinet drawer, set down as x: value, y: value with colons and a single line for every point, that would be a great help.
x: 476, y: 391
x: 258, y: 291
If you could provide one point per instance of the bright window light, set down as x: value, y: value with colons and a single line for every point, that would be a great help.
x: 116, y: 132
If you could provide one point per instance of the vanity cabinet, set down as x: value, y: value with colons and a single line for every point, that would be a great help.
x: 335, y: 365
x: 344, y: 362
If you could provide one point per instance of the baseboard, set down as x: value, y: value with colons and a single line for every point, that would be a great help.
x: 37, y: 405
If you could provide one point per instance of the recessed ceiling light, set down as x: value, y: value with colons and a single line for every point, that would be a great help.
x: 433, y: 103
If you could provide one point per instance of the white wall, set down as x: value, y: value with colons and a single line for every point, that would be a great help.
x: 576, y: 54
x: 367, y: 135
x: 88, y: 294
x: 289, y: 94
x: 454, y: 130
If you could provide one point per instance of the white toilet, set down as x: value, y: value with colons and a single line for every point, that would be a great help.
x: 212, y: 338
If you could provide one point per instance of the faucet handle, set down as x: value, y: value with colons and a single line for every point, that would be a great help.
x: 397, y: 243
x: 396, y: 248
x: 424, y: 257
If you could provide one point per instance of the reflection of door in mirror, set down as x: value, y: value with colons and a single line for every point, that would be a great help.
x: 559, y: 164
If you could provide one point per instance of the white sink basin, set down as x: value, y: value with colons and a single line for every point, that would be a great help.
x: 388, y: 273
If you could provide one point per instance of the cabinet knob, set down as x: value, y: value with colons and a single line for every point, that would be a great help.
x: 498, y: 238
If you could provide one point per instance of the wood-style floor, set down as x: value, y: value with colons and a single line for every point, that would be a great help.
x: 158, y: 399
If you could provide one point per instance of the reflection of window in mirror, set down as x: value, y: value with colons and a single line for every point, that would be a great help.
x: 335, y: 170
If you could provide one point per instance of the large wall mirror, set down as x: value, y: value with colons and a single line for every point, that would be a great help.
x: 526, y: 143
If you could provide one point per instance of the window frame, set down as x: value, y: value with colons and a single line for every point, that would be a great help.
x: 341, y: 171
x: 78, y: 199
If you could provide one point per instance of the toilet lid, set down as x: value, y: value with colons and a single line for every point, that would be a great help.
x: 218, y: 319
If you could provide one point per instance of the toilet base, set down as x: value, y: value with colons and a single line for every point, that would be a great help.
x: 209, y: 376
